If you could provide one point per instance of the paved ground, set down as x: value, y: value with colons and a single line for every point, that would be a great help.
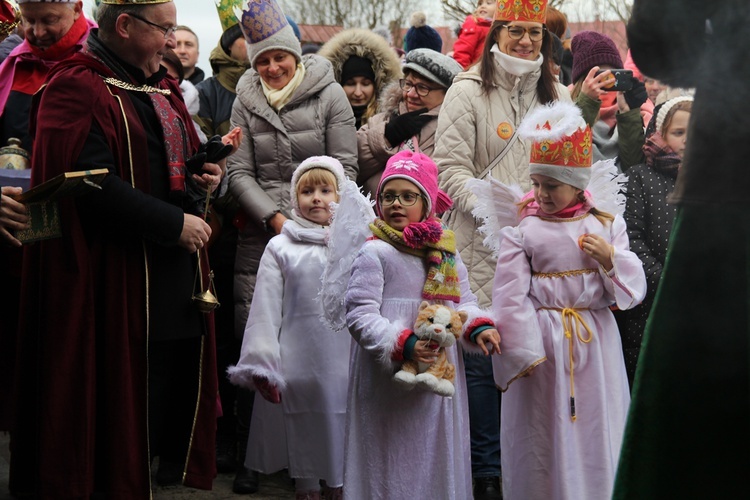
x: 275, y: 487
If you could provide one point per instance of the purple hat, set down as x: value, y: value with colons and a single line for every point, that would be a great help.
x: 591, y: 49
x: 422, y: 171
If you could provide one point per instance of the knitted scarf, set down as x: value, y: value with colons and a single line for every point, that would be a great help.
x: 428, y: 240
x: 660, y: 156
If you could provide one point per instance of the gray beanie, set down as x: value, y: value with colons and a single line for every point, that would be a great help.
x: 433, y: 66
x: 265, y: 27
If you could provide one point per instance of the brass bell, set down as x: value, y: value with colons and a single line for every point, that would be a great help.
x: 13, y: 156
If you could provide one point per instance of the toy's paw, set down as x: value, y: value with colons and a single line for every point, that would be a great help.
x: 406, y: 379
x: 445, y: 389
x: 427, y: 381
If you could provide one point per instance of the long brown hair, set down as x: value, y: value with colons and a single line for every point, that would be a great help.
x: 546, y: 90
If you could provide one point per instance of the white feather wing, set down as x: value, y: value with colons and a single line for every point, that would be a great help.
x: 496, y: 207
x: 347, y: 233
x: 607, y: 187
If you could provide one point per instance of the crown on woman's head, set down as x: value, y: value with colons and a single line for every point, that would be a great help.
x: 534, y: 11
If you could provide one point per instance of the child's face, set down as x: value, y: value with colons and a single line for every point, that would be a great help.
x: 398, y: 214
x: 676, y: 134
x: 486, y: 9
x: 315, y: 202
x: 553, y: 195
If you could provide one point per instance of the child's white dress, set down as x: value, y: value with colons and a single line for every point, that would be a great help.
x: 543, y: 280
x: 286, y: 342
x: 400, y: 444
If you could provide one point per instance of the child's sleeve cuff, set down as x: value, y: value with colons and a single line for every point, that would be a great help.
x: 404, y: 341
x: 476, y: 327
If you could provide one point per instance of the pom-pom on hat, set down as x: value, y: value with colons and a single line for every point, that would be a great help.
x: 325, y: 162
x: 422, y: 36
x: 433, y: 66
x: 561, y: 146
x: 422, y: 171
x: 591, y: 49
x: 265, y: 28
x: 533, y: 11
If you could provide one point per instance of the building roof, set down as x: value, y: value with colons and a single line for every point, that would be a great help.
x: 317, y: 33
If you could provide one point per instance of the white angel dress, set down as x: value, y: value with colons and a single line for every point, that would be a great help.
x: 562, y: 425
x: 287, y: 342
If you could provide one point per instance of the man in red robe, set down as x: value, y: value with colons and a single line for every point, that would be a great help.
x: 116, y: 363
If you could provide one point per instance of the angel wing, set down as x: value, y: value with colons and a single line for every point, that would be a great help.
x: 607, y: 187
x: 496, y: 208
x: 347, y: 233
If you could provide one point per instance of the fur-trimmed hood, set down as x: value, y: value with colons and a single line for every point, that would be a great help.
x: 363, y: 43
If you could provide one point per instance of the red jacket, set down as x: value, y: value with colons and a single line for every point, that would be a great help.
x: 468, y: 48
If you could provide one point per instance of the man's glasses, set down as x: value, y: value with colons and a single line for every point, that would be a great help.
x: 517, y: 32
x: 407, y: 199
x: 167, y: 31
x: 422, y: 89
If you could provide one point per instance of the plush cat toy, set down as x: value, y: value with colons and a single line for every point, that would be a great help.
x: 442, y: 325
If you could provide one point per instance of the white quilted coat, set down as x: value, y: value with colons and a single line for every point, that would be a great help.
x: 467, y: 142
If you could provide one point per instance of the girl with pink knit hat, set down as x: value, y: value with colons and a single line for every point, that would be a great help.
x: 401, y: 442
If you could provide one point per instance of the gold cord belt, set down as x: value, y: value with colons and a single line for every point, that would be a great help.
x: 141, y: 88
x: 572, y: 319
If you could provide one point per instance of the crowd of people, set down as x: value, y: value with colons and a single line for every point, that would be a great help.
x: 523, y: 180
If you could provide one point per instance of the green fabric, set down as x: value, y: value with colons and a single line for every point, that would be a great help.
x: 589, y: 108
x: 631, y: 138
x: 688, y: 430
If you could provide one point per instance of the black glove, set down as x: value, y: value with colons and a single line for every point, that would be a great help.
x: 215, y: 149
x: 194, y: 164
x: 400, y: 127
x: 636, y: 95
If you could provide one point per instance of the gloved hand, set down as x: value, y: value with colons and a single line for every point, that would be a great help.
x: 215, y: 149
x: 401, y: 127
x: 636, y: 95
x: 194, y: 164
x: 269, y: 391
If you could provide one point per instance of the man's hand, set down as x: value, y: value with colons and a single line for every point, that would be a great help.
x: 212, y: 176
x: 195, y: 233
x: 13, y: 215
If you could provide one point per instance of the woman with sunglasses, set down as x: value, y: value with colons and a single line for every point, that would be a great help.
x: 477, y: 139
x: 408, y: 114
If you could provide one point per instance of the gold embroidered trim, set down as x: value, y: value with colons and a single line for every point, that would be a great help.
x: 523, y: 373
x: 565, y: 274
x: 557, y: 220
x: 143, y: 88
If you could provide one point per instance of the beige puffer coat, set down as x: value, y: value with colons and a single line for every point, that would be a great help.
x: 468, y: 140
x: 318, y: 120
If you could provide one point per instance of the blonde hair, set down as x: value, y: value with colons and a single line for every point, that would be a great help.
x: 317, y: 177
x: 680, y: 106
x: 603, y: 217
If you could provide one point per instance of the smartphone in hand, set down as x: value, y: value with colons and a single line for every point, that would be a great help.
x: 620, y: 80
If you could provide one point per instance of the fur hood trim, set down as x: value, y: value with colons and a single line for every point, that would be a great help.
x: 363, y: 43
x: 390, y: 98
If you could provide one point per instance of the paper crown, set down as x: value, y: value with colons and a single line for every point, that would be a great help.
x: 9, y: 17
x: 561, y: 143
x: 226, y: 10
x: 534, y: 11
x: 260, y: 19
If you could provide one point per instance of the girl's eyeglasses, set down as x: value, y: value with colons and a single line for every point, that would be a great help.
x: 406, y: 199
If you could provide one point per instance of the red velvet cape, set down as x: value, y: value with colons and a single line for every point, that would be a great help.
x: 82, y: 379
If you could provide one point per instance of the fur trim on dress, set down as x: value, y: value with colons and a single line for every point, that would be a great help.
x: 243, y: 376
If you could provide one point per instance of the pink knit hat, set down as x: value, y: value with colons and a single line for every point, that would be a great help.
x: 422, y: 171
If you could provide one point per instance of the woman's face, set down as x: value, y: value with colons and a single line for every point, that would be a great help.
x: 553, y: 195
x: 414, y: 101
x: 523, y: 48
x: 676, y: 133
x: 359, y: 90
x: 276, y: 68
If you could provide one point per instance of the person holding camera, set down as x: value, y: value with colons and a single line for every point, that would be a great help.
x: 409, y: 116
x: 616, y: 117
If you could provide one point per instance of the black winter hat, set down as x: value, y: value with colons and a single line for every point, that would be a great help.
x: 229, y: 36
x: 421, y: 36
x: 357, y: 66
